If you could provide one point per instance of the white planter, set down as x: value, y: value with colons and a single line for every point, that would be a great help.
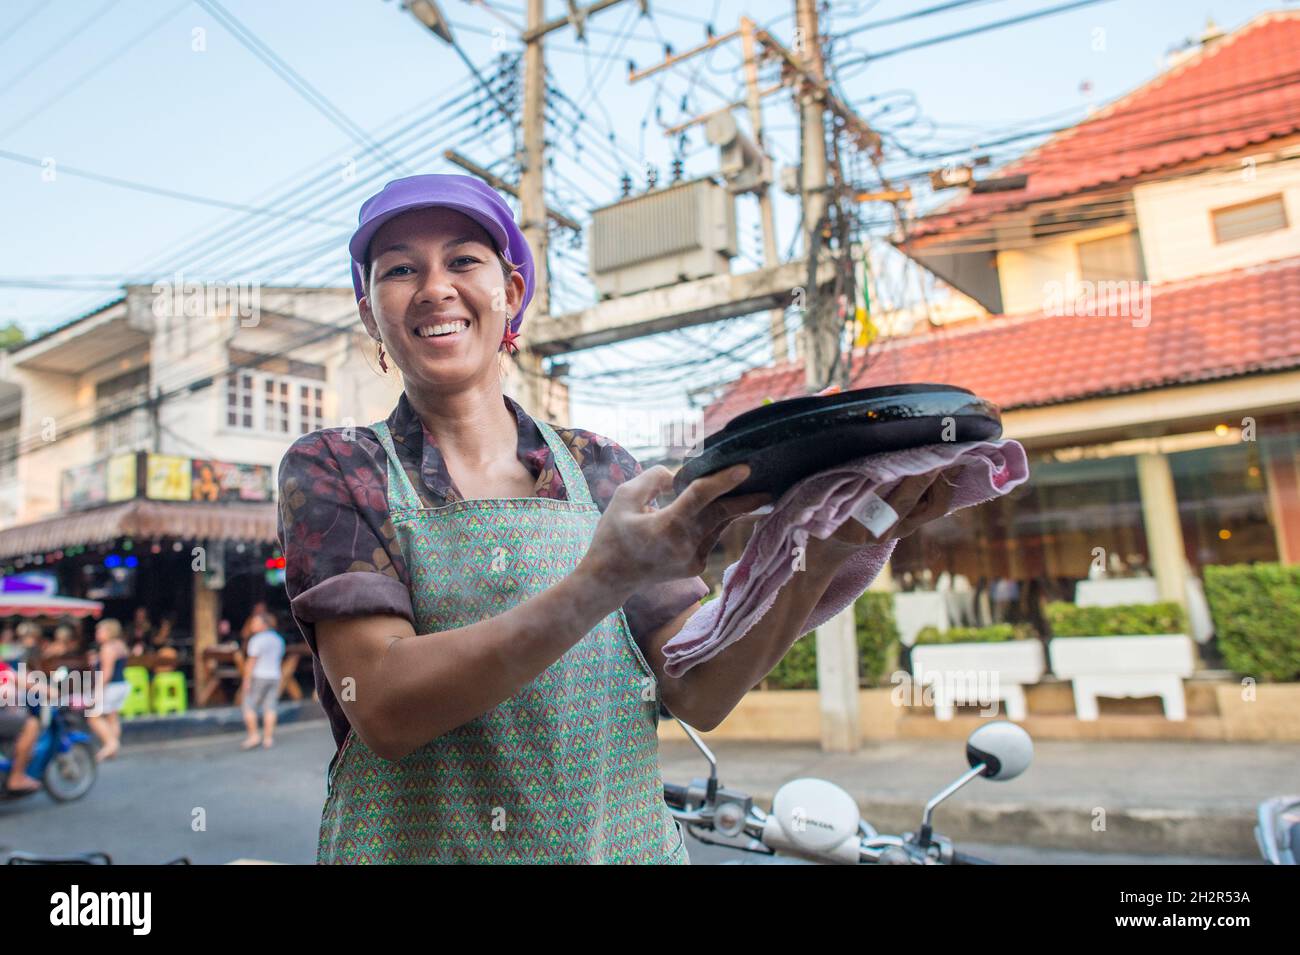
x: 979, y: 673
x: 1125, y: 667
x: 916, y: 610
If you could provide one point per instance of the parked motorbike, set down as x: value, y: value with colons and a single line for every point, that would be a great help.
x: 1277, y: 830
x: 813, y: 820
x: 64, y: 757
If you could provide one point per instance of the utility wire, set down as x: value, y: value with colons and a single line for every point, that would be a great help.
x: 111, y: 58
x: 314, y: 97
x: 49, y: 52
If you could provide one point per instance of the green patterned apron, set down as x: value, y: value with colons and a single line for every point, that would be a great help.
x: 566, y: 770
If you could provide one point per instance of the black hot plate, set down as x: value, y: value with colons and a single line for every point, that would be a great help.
x: 788, y: 440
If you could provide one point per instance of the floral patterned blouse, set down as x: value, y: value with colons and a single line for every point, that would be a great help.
x: 341, y: 552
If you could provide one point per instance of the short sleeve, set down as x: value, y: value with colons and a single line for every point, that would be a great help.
x: 341, y: 553
x: 658, y: 604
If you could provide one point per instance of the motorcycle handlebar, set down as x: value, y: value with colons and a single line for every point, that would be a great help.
x: 675, y: 796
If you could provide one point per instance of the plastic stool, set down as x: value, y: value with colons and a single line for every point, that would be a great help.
x: 137, y: 697
x: 169, y: 692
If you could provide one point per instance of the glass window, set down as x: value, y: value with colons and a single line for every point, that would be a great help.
x: 1116, y: 258
x: 121, y: 412
x: 1249, y: 218
x: 1223, y: 504
x: 1034, y: 545
x: 310, y: 402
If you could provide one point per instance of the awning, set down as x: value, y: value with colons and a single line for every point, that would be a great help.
x: 47, y: 605
x: 145, y: 520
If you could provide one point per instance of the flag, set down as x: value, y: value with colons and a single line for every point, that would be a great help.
x: 864, y: 328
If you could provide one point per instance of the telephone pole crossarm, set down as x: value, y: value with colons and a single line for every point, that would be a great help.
x: 576, y: 15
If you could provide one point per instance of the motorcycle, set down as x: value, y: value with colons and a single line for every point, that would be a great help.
x: 63, y: 759
x: 815, y: 821
x: 1277, y: 830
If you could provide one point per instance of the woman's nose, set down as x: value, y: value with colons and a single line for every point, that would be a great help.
x: 437, y: 286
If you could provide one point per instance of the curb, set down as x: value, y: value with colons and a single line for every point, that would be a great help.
x: 1180, y: 832
x: 211, y: 721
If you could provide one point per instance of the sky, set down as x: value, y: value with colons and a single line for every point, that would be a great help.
x: 162, y: 95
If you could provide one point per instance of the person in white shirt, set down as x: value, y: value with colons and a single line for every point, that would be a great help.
x: 262, y: 679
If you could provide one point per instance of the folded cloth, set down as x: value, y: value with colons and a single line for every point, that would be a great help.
x: 978, y: 471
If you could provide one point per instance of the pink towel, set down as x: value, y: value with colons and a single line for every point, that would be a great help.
x: 977, y: 470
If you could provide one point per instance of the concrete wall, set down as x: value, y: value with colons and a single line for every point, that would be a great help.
x: 1215, y: 711
x: 1178, y: 231
x: 1027, y: 275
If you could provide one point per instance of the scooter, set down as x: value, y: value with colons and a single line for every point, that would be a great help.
x: 1277, y: 830
x: 815, y: 821
x: 63, y: 758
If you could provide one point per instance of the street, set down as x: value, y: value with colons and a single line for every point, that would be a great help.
x: 207, y: 800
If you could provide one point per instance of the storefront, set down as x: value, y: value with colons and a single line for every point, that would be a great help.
x: 1089, y: 512
x: 189, y: 541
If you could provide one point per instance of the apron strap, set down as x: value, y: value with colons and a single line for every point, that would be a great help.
x: 400, y: 491
x: 575, y: 484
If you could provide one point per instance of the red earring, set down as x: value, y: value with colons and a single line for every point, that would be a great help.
x: 508, y: 340
x: 382, y: 364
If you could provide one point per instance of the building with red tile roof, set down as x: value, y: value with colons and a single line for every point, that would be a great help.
x: 1141, y: 333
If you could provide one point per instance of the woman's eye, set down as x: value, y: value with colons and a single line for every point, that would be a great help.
x: 395, y: 268
x: 464, y: 258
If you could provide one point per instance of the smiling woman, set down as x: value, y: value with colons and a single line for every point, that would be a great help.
x: 442, y: 565
x: 487, y: 596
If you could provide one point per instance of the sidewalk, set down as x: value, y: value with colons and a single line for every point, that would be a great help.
x: 1176, y: 797
x: 213, y: 719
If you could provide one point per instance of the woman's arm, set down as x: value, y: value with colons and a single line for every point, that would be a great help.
x: 706, y: 693
x: 400, y: 689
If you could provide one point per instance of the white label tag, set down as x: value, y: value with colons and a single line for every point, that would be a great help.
x: 875, y: 515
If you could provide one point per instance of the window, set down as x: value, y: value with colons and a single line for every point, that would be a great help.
x: 239, y: 401
x: 276, y: 405
x: 310, y: 399
x: 273, y: 404
x: 121, y: 414
x: 1116, y: 258
x: 8, y: 449
x: 1249, y: 218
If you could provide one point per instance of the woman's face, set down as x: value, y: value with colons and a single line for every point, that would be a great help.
x: 432, y: 267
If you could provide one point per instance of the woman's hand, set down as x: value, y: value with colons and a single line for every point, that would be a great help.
x: 638, y: 544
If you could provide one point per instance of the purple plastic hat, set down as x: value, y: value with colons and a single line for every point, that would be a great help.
x: 465, y: 194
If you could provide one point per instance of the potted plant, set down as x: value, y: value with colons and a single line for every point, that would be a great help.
x: 978, y: 665
x: 1124, y: 651
x: 877, y: 640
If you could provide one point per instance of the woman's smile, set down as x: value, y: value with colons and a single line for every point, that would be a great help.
x: 441, y: 333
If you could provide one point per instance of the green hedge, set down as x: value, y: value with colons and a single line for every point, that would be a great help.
x: 1067, y: 620
x: 877, y: 648
x: 1256, y: 611
x: 997, y: 633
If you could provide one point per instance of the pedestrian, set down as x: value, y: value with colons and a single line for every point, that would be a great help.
x: 159, y: 646
x: 111, y: 662
x: 262, y: 679
x: 141, y: 626
x: 251, y: 621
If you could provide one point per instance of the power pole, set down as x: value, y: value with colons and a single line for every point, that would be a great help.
x: 753, y: 98
x: 533, y: 384
x: 532, y: 198
x: 821, y: 337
